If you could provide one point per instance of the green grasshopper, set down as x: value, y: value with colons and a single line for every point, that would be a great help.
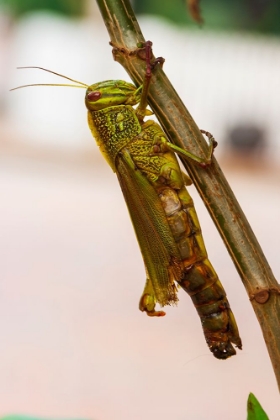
x: 160, y: 207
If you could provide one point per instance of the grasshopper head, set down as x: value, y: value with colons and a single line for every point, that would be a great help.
x: 110, y: 93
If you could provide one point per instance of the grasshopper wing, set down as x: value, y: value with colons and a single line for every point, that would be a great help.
x: 159, y: 250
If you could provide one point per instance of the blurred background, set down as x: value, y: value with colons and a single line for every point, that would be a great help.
x: 73, y: 342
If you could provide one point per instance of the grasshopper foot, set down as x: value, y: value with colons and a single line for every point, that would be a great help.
x: 212, y: 145
x: 147, y: 304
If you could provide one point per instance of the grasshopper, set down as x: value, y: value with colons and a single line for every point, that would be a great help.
x: 160, y: 207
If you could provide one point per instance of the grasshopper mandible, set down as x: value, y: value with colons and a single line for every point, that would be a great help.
x: 160, y: 207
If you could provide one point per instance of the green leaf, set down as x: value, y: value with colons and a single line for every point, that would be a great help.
x: 255, y: 410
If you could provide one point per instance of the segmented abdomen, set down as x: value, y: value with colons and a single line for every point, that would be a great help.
x: 200, y: 280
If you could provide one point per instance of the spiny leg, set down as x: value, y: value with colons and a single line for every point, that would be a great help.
x: 165, y: 146
x: 141, y: 110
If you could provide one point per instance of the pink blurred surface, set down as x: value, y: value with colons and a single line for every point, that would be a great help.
x: 73, y: 342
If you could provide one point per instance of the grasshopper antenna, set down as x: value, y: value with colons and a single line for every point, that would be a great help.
x: 79, y: 84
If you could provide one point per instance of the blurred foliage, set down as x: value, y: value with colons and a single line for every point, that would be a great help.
x: 66, y: 7
x: 248, y: 15
x: 254, y: 409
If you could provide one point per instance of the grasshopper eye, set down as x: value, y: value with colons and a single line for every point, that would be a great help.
x: 94, y: 96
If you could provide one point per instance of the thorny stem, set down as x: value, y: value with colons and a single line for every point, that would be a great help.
x: 257, y: 277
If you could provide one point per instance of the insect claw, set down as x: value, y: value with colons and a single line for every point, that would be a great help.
x: 156, y: 313
x: 158, y: 60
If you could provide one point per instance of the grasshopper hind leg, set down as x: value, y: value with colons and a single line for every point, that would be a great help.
x: 148, y: 300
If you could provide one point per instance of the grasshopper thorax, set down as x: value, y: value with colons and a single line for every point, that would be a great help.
x: 111, y: 93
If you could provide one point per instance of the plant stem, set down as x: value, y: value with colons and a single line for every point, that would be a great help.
x: 251, y: 264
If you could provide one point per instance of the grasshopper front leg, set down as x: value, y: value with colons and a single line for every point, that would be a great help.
x: 164, y: 145
x: 141, y: 110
